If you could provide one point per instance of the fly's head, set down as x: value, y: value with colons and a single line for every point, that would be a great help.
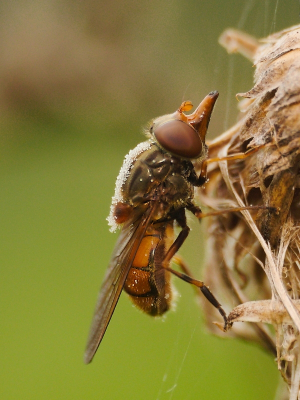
x: 184, y: 135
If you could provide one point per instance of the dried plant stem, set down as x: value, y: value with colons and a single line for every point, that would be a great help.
x: 254, y: 257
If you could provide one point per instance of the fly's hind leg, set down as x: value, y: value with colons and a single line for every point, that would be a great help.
x: 185, y: 275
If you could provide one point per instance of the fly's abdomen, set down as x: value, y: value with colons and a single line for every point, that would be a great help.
x: 141, y: 284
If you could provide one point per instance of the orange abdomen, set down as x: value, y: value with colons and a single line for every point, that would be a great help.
x: 148, y: 283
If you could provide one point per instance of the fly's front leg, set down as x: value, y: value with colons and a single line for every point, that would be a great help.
x: 202, y: 178
x: 232, y: 157
x: 181, y: 219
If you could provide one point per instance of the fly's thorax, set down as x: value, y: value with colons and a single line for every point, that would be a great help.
x: 152, y: 174
x: 178, y: 190
x: 118, y: 200
x: 156, y: 173
x: 148, y: 171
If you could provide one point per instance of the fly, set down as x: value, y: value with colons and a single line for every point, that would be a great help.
x: 154, y: 189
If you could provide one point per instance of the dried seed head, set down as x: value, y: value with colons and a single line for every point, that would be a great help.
x: 255, y: 256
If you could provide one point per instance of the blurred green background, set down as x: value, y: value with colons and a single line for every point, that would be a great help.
x: 78, y: 80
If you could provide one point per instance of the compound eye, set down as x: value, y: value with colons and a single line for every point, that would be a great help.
x: 179, y: 138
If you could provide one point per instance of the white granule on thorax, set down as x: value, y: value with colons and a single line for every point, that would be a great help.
x: 121, y: 179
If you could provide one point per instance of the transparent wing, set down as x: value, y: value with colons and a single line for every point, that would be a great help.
x: 119, y: 266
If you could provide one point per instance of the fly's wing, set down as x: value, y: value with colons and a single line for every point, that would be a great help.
x: 121, y: 261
